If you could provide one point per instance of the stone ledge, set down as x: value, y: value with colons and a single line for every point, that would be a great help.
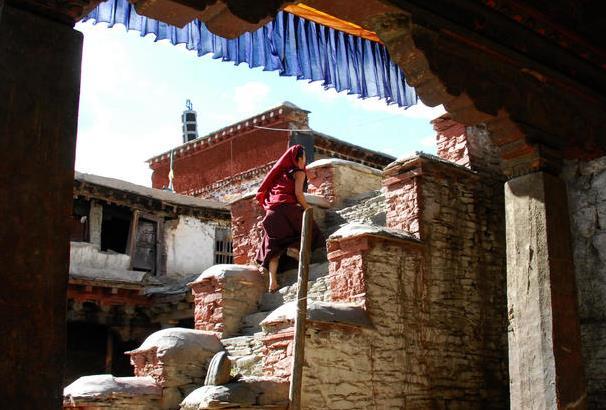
x: 332, y: 162
x: 228, y: 271
x: 416, y: 161
x: 89, y: 390
x: 346, y: 314
x: 312, y: 199
x: 358, y: 229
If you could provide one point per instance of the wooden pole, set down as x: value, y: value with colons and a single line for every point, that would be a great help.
x: 109, y: 351
x: 294, y: 394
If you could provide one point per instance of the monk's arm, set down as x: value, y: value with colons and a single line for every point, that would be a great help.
x: 299, y: 182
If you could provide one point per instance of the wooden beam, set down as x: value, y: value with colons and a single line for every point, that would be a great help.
x: 132, y: 236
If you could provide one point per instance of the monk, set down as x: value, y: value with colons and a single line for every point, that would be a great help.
x: 281, y: 195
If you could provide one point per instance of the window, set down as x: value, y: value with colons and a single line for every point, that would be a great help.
x: 224, y: 252
x: 115, y: 228
x: 79, y: 221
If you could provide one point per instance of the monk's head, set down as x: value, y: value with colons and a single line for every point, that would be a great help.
x: 300, y: 158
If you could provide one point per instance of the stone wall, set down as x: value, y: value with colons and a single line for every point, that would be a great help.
x: 278, y: 349
x: 458, y: 214
x: 223, y: 295
x: 586, y: 183
x: 247, y: 233
x: 403, y: 203
x: 451, y: 140
x: 339, y: 369
x: 337, y: 179
x: 389, y: 282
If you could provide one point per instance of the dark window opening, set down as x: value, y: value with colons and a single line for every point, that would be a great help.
x: 79, y: 221
x: 190, y: 117
x: 95, y: 349
x: 224, y: 252
x: 115, y: 228
x: 190, y: 127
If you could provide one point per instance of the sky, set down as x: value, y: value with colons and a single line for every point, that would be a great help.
x: 133, y: 92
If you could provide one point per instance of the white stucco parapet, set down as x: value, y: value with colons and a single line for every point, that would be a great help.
x: 356, y: 229
x: 179, y: 343
x: 344, y: 163
x: 351, y: 314
x: 314, y: 200
x: 106, y: 386
x: 220, y: 271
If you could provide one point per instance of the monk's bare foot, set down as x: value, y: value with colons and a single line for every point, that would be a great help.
x: 293, y: 253
x: 273, y: 288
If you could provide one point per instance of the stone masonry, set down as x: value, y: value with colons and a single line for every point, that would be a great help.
x: 463, y: 274
x: 388, y: 284
x: 337, y: 180
x: 247, y: 232
x: 586, y: 183
x: 223, y: 295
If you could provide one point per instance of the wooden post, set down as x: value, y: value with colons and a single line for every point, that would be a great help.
x: 132, y: 236
x: 294, y: 394
x: 109, y: 351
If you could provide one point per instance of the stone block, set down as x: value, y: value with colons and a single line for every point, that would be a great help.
x: 176, y: 359
x: 106, y: 391
x: 247, y: 392
x: 224, y: 295
x: 338, y: 180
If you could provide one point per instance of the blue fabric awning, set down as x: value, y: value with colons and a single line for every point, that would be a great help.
x: 290, y: 45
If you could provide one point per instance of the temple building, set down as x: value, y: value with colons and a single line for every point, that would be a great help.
x: 133, y: 249
x: 228, y: 162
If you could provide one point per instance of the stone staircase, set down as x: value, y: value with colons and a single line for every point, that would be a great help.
x: 245, y: 349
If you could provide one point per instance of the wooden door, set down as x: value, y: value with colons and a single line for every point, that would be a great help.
x: 144, y: 257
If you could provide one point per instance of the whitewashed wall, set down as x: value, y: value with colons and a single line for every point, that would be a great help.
x: 190, y: 246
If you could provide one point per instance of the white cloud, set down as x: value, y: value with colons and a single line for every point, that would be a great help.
x: 317, y: 90
x: 419, y: 110
x: 250, y: 97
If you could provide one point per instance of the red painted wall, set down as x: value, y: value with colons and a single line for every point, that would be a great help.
x: 237, y: 154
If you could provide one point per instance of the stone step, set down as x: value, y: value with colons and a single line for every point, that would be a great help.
x: 317, y: 290
x: 245, y: 353
x: 317, y: 287
x: 250, y: 323
x: 369, y: 208
x: 316, y: 270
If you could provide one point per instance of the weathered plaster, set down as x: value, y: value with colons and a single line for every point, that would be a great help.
x: 545, y: 363
x: 190, y: 246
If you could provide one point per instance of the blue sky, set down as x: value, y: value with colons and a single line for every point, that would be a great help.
x: 134, y: 90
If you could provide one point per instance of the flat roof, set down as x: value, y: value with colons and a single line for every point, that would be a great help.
x: 159, y: 194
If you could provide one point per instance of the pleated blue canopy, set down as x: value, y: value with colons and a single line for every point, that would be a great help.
x: 289, y: 44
